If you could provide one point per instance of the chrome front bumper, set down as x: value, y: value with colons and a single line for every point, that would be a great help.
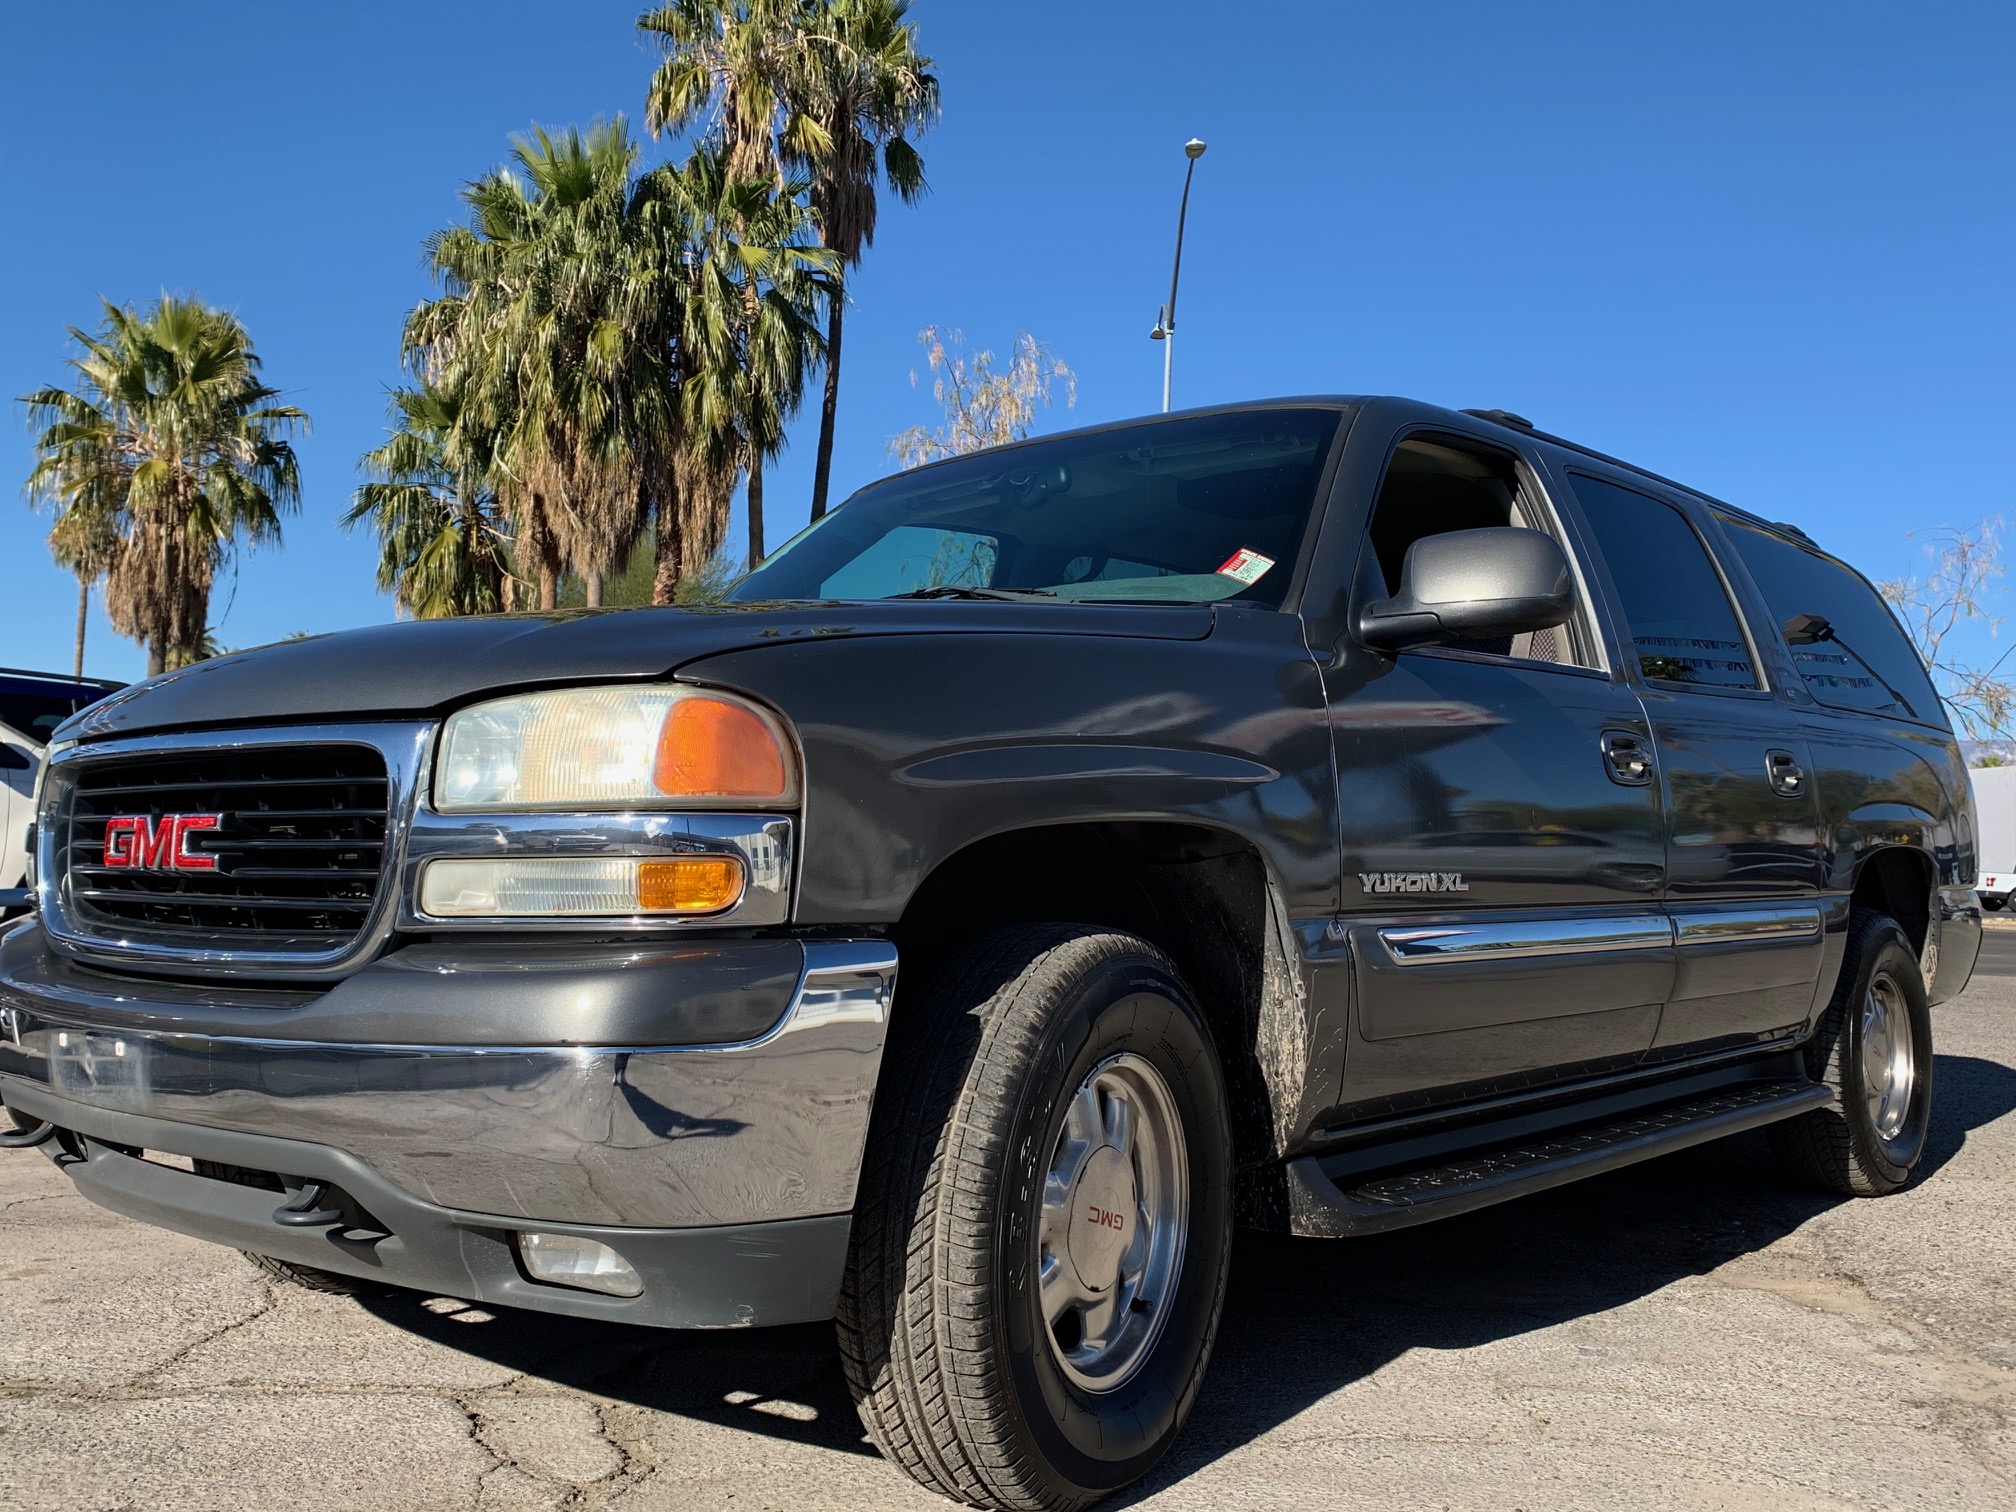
x: 583, y: 1086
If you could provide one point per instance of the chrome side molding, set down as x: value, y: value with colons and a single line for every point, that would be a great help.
x: 1530, y: 939
x: 1739, y: 926
x: 1525, y: 939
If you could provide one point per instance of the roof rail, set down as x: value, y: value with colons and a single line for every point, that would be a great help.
x: 1738, y: 510
x: 1500, y: 417
x: 61, y: 677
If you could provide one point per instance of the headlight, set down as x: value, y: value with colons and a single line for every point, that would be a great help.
x: 613, y: 748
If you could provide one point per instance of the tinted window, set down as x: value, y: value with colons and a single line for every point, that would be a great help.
x: 1860, y: 659
x: 915, y: 556
x: 1682, y: 626
x: 1192, y: 510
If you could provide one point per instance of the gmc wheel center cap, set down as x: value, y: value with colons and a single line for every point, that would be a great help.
x: 1102, y: 1217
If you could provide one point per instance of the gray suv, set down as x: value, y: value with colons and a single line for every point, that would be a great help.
x: 1323, y: 815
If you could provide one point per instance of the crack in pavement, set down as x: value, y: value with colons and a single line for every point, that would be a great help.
x: 13, y: 1203
x: 631, y: 1466
x: 272, y: 1301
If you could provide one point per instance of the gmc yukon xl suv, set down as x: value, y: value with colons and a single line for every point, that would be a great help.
x: 1324, y: 815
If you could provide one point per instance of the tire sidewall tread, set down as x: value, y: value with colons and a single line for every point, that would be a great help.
x: 1001, y: 1044
x: 1838, y: 1148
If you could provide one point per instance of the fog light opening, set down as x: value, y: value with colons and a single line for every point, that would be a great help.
x: 583, y: 1264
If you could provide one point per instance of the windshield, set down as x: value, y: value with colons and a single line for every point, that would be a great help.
x: 1185, y: 511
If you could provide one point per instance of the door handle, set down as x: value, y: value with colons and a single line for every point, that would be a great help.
x: 1628, y: 759
x: 1788, y: 778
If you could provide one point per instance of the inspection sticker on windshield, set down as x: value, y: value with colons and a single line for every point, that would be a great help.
x: 1246, y: 565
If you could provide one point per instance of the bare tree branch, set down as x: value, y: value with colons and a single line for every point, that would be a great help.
x: 1966, y: 570
x: 982, y: 407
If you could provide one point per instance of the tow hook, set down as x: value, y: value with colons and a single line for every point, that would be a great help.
x: 303, y: 1209
x: 14, y: 1138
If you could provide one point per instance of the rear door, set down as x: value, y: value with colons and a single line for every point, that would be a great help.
x: 1503, y: 860
x: 1744, y: 849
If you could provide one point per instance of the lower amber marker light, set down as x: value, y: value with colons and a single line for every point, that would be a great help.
x: 580, y: 887
x: 688, y: 884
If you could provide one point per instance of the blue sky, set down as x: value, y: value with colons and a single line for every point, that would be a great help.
x: 1763, y: 247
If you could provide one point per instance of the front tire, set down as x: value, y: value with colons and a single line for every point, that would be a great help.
x: 1874, y: 1048
x: 1045, y: 1221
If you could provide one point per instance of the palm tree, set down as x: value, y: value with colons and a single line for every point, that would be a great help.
x: 867, y: 90
x: 173, y: 450
x: 738, y: 66
x: 549, y: 329
x: 746, y: 338
x: 729, y: 63
x: 82, y: 539
x: 444, y: 546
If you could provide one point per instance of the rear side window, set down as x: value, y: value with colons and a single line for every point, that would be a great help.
x: 1845, y: 642
x: 1682, y: 625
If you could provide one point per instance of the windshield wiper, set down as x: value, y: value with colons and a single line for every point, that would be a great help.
x: 956, y: 591
x: 1812, y: 629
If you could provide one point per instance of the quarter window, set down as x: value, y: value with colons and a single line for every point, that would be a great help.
x: 1683, y: 627
x: 1844, y: 640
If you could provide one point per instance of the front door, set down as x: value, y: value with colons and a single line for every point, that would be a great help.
x: 1503, y: 842
x: 1744, y: 852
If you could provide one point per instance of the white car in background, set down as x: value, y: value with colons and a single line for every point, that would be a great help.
x: 20, y: 760
x: 32, y: 704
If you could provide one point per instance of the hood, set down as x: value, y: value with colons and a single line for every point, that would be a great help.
x: 422, y: 667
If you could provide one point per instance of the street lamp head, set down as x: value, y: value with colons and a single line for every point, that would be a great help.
x: 1158, y: 333
x: 1193, y: 149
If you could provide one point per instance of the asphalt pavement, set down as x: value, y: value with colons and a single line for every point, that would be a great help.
x: 1691, y: 1333
x: 1998, y: 951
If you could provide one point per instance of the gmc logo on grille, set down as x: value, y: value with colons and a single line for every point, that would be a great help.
x: 140, y: 843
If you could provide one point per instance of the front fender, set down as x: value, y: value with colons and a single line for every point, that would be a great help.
x: 919, y: 746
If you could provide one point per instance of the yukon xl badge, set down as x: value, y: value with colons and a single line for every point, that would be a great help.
x: 1413, y: 882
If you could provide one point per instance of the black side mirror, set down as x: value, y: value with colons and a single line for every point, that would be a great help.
x: 1473, y: 585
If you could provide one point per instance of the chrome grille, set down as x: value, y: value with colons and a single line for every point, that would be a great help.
x: 299, y: 848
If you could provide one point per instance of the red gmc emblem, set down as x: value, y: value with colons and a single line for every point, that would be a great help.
x: 136, y: 841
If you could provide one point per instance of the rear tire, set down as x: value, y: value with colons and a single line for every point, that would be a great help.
x: 1874, y: 1048
x: 996, y: 1201
x: 307, y: 1277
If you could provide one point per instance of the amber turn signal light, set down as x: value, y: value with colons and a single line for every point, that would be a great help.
x: 689, y: 884
x: 710, y: 748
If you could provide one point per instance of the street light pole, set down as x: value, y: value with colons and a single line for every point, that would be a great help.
x: 1165, y: 324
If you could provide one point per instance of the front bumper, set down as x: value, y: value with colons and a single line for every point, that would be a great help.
x: 461, y: 1094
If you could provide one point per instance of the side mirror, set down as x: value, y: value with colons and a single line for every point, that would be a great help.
x: 1473, y: 585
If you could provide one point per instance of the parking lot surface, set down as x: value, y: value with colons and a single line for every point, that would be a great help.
x: 1689, y: 1333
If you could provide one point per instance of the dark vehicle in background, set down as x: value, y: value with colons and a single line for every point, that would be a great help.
x: 1325, y: 815
x: 32, y: 704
